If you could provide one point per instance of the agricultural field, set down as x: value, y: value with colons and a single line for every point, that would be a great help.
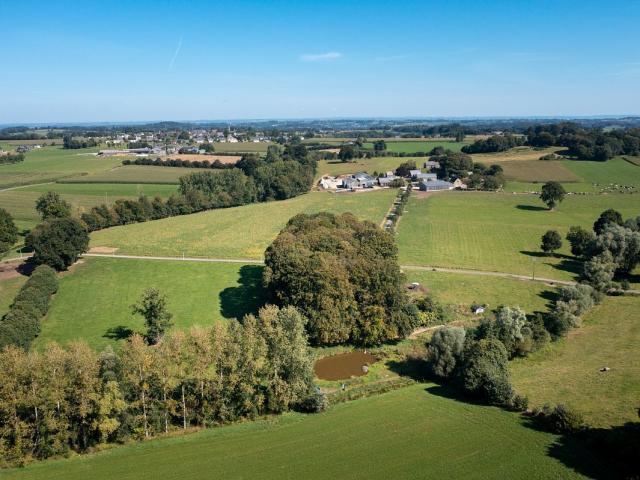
x: 20, y: 202
x: 418, y: 146
x: 94, y: 298
x: 497, y: 232
x: 242, y: 147
x: 462, y: 290
x: 52, y: 163
x: 539, y: 171
x: 414, y: 432
x: 568, y: 371
x: 369, y: 165
x: 517, y: 154
x: 239, y: 232
x: 137, y: 174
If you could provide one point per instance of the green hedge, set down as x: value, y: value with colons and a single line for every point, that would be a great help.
x: 21, y: 324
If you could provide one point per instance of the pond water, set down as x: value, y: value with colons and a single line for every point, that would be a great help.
x: 343, y: 365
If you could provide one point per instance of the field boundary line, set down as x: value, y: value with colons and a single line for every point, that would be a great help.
x: 176, y: 259
x: 488, y: 273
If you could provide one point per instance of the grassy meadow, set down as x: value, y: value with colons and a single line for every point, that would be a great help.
x: 94, y: 298
x: 239, y: 232
x: 136, y: 174
x: 461, y: 290
x: 414, y: 432
x: 242, y: 147
x: 20, y: 202
x: 8, y: 290
x: 369, y: 165
x: 497, y: 232
x: 52, y: 163
x: 567, y: 371
x: 413, y: 146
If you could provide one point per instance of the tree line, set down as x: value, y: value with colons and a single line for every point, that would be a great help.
x: 179, y: 163
x: 71, y: 143
x: 586, y: 144
x: 71, y: 399
x: 495, y: 143
x: 281, y: 175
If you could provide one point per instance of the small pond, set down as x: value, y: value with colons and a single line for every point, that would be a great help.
x: 343, y: 365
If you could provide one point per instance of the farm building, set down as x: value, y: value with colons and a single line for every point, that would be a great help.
x: 385, y: 181
x: 430, y: 165
x: 414, y: 174
x: 434, y: 185
x: 426, y: 177
x: 358, y: 180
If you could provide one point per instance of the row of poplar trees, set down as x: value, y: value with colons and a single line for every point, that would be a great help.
x: 69, y: 399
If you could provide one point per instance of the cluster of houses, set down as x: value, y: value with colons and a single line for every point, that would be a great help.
x: 424, y: 181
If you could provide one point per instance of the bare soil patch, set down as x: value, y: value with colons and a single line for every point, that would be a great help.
x: 14, y: 269
x: 192, y: 157
x: 103, y: 250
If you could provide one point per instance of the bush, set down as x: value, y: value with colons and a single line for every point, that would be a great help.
x: 518, y: 403
x: 483, y: 373
x: 559, y: 419
x: 445, y: 349
x: 316, y: 402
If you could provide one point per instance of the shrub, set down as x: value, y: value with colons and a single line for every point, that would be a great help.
x: 483, y: 373
x: 445, y: 349
x: 315, y: 402
x: 559, y: 419
x: 518, y: 403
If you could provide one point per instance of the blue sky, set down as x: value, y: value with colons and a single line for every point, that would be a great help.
x: 66, y: 61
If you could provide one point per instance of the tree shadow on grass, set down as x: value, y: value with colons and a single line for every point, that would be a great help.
x: 531, y: 208
x: 121, y: 332
x: 595, y: 453
x: 248, y: 297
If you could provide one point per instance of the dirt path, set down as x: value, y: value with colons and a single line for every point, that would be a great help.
x: 25, y: 186
x: 465, y: 271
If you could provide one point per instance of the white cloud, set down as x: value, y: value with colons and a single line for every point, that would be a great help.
x: 320, y: 57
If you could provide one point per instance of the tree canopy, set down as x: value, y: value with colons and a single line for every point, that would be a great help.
x: 343, y: 275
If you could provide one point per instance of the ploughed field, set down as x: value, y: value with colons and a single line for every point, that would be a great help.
x: 497, y: 231
x: 238, y: 232
x: 414, y: 432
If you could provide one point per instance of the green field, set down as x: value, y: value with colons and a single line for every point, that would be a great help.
x: 538, y: 171
x: 414, y: 432
x: 462, y: 290
x: 418, y: 146
x: 568, y: 371
x: 369, y: 165
x: 8, y: 290
x: 137, y: 174
x: 615, y: 171
x: 241, y: 147
x: 239, y: 232
x: 94, y: 300
x: 497, y: 232
x: 52, y: 163
x: 20, y: 202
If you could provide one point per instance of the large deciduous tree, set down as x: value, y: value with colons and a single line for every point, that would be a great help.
x: 552, y: 194
x: 152, y: 306
x: 52, y: 205
x: 343, y: 275
x: 8, y: 231
x: 58, y: 242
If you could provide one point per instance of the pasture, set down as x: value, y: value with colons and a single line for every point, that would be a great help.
x: 242, y: 147
x: 414, y: 432
x: 20, y: 202
x: 462, y: 290
x: 238, y: 232
x: 568, y: 371
x: 497, y: 231
x: 517, y: 154
x: 94, y: 298
x: 53, y: 163
x: 8, y: 290
x: 137, y: 174
x: 408, y: 146
x: 369, y: 165
x: 538, y: 171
